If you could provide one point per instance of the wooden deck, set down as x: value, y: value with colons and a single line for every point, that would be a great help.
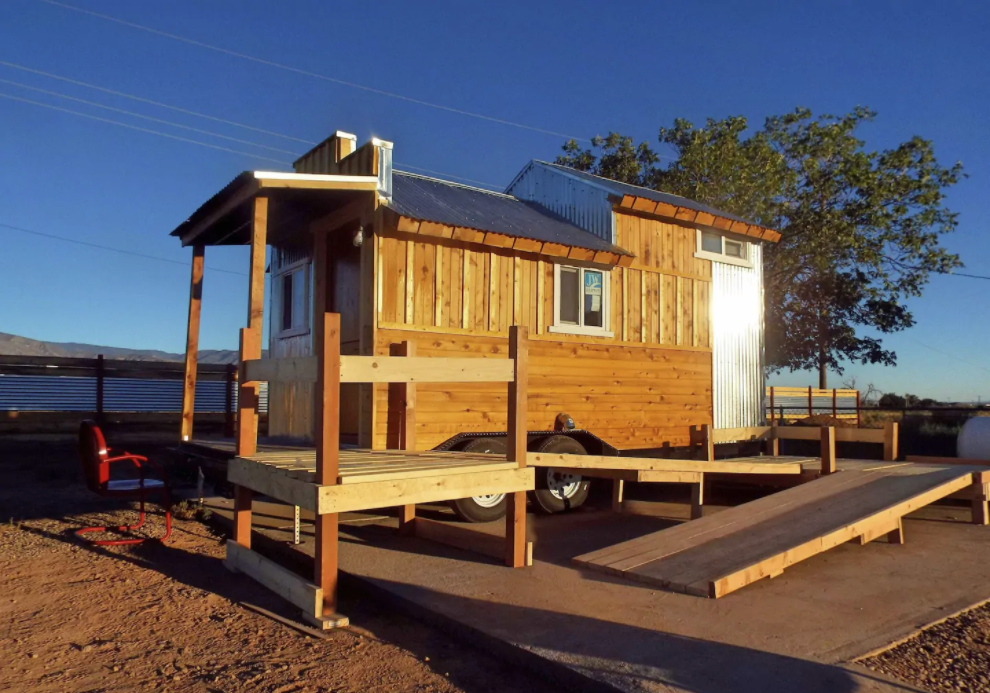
x: 718, y: 554
x: 378, y: 479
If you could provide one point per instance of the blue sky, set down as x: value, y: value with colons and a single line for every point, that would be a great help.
x: 573, y: 68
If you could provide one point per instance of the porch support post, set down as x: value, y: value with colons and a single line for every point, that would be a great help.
x: 515, y: 517
x: 247, y: 395
x: 407, y: 432
x: 192, y: 342
x: 326, y: 346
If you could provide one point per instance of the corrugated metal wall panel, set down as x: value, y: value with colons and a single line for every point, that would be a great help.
x: 581, y: 204
x: 737, y: 331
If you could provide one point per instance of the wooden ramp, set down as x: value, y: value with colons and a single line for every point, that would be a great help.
x: 723, y: 552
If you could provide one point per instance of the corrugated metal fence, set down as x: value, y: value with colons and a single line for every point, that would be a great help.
x: 784, y: 403
x: 56, y: 384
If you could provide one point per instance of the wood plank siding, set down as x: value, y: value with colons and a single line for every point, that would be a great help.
x: 643, y: 387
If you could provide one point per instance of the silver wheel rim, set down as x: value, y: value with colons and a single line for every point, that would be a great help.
x: 489, y: 501
x: 562, y: 486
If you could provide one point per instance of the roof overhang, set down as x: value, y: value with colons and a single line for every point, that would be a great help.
x: 647, y: 207
x: 225, y: 218
x: 426, y: 227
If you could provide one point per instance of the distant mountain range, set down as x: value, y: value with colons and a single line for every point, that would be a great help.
x: 11, y: 344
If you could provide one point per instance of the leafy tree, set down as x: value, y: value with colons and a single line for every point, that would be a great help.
x: 860, y: 229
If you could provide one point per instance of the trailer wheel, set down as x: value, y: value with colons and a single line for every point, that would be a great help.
x: 557, y: 492
x: 482, y: 508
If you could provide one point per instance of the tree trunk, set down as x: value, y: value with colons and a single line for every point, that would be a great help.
x: 822, y: 367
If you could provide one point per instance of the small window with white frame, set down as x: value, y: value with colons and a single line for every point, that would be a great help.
x: 294, y: 300
x: 581, y: 301
x: 720, y: 247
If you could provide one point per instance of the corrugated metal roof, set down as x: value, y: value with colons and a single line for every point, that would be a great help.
x: 420, y: 197
x: 627, y: 189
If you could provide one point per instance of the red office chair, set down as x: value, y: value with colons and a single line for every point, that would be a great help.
x: 96, y: 469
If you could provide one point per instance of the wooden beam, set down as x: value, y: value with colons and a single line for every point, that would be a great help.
x: 465, y: 538
x: 828, y: 450
x: 327, y: 343
x: 618, y: 491
x: 263, y: 479
x: 405, y: 491
x: 517, y: 395
x: 192, y: 343
x: 697, y: 499
x: 515, y: 530
x: 706, y: 432
x: 749, y: 466
x: 256, y: 281
x: 981, y: 503
x: 247, y: 398
x: 279, y: 580
x: 242, y: 515
x: 383, y: 369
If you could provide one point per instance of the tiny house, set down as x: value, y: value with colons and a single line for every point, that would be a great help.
x: 644, y: 309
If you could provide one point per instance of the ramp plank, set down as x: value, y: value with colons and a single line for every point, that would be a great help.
x: 721, y: 553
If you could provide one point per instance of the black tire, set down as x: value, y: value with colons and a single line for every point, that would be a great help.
x: 470, y: 509
x: 549, y: 497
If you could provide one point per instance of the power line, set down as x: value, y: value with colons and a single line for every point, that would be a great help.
x: 140, y: 129
x: 315, y: 75
x: 199, y: 115
x: 139, y: 115
x: 112, y: 249
x: 963, y: 274
x: 944, y: 353
x: 149, y: 101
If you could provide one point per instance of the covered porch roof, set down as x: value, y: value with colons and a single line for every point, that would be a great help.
x: 225, y: 219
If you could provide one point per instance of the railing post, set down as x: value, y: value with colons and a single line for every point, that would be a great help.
x: 772, y: 412
x: 192, y: 344
x: 858, y: 413
x: 811, y: 403
x: 327, y: 346
x: 774, y: 440
x: 100, y: 375
x: 709, y: 442
x: 891, y: 429
x: 407, y: 432
x: 515, y: 517
x: 835, y: 409
x: 828, y: 450
x: 228, y: 402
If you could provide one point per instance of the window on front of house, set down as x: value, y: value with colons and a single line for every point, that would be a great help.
x: 580, y: 301
x: 718, y: 247
x: 295, y: 301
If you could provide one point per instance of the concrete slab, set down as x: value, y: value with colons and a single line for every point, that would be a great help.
x: 794, y: 633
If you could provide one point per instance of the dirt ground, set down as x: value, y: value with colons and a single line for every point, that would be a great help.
x: 79, y: 618
x: 951, y: 656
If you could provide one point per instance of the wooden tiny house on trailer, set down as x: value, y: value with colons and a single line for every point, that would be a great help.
x: 644, y: 309
x: 434, y: 324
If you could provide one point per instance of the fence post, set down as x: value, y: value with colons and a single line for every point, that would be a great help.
x: 858, y: 414
x: 811, y: 403
x: 228, y: 402
x: 99, y: 389
x: 772, y: 412
x: 835, y: 409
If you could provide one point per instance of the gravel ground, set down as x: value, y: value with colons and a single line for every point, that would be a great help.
x: 85, y: 619
x: 951, y: 656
